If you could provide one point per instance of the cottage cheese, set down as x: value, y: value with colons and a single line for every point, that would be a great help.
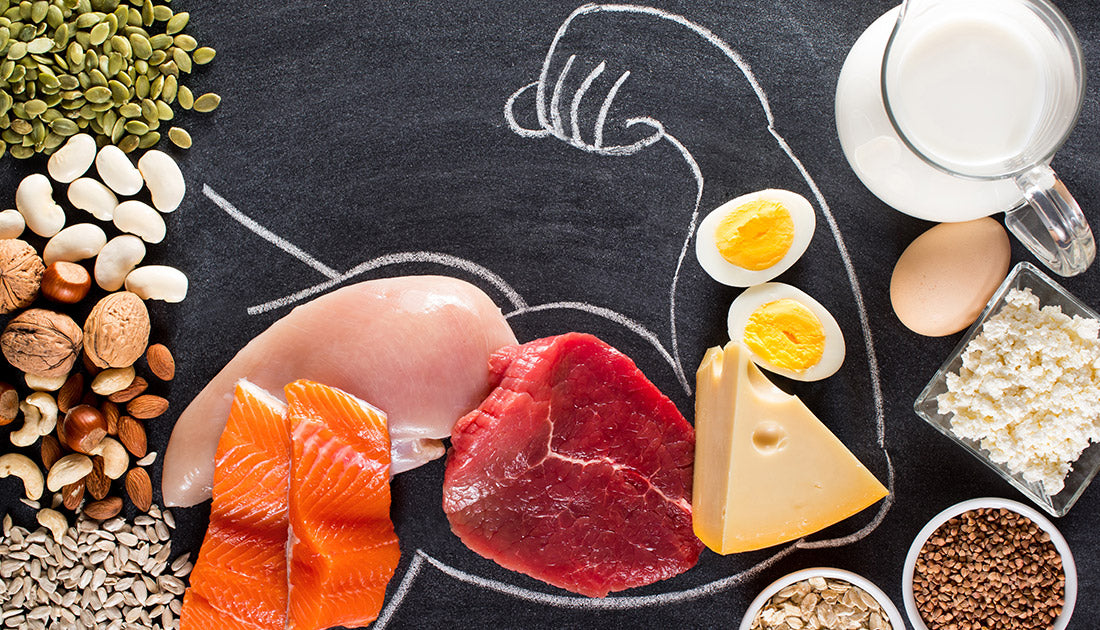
x: 1028, y: 390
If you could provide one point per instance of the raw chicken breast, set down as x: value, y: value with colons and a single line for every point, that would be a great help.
x: 416, y: 347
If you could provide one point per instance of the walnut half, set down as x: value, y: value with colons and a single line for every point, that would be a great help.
x: 20, y: 274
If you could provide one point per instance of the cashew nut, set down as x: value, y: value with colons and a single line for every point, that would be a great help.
x: 141, y: 219
x: 116, y: 461
x: 14, y: 464
x: 116, y: 260
x: 12, y: 224
x: 90, y: 195
x: 34, y: 199
x: 69, y: 469
x: 163, y: 178
x: 73, y: 159
x: 47, y: 410
x: 158, y: 282
x: 27, y: 434
x: 117, y: 171
x: 74, y: 243
x: 53, y: 521
x: 45, y: 383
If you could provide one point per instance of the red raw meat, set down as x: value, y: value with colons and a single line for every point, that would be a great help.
x: 576, y: 470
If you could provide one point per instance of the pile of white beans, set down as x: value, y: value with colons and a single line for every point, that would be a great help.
x: 116, y: 261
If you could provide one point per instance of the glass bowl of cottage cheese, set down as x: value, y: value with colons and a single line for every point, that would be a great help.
x: 1021, y: 391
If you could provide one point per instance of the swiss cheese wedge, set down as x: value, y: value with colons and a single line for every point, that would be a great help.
x: 766, y: 469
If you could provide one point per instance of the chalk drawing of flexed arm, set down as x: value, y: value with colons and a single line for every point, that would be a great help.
x: 568, y: 107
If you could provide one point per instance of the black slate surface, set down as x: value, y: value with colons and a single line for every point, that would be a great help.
x: 358, y: 130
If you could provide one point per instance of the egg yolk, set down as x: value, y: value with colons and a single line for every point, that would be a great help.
x: 786, y: 334
x: 755, y: 235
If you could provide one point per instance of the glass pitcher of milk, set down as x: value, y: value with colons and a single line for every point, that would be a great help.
x: 986, y: 91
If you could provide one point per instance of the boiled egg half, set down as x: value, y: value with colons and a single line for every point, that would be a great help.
x: 755, y: 237
x: 787, y: 332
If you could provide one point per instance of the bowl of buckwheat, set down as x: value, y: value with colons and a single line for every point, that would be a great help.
x: 989, y: 563
x: 822, y: 598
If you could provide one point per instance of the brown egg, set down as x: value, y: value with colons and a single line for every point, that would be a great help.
x: 944, y: 279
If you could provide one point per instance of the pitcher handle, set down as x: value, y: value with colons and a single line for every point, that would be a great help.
x: 1051, y: 223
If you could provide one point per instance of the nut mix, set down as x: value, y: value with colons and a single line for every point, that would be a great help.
x: 989, y: 568
x: 821, y: 603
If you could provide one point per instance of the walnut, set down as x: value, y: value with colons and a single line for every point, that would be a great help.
x: 42, y: 342
x: 20, y: 274
x: 116, y: 331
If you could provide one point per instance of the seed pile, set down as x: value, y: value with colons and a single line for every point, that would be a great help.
x: 112, y: 68
x: 989, y: 568
x: 111, y: 576
x: 821, y: 603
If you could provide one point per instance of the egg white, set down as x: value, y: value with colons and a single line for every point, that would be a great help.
x: 706, y: 246
x: 753, y: 298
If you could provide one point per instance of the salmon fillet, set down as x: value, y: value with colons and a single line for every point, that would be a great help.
x: 343, y: 547
x: 239, y: 580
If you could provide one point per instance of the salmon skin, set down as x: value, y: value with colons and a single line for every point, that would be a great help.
x: 239, y: 580
x: 343, y: 547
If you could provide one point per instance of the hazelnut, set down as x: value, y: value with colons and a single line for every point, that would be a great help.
x: 20, y: 274
x: 83, y: 428
x: 66, y: 282
x: 42, y: 342
x: 116, y: 331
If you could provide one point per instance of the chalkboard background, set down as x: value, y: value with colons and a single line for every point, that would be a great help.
x: 357, y: 130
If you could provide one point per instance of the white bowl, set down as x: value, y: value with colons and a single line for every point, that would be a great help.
x: 1056, y: 537
x: 895, y: 618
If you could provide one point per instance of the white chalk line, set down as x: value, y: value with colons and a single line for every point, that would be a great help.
x: 556, y: 128
x: 267, y: 234
x: 402, y: 591
x: 725, y: 583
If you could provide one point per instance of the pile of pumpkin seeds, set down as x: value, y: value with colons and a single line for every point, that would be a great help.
x: 109, y: 67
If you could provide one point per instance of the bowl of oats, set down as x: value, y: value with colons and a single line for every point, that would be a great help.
x: 824, y: 598
x: 1021, y: 391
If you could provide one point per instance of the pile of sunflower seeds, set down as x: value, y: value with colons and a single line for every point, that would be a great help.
x: 820, y: 603
x: 110, y: 575
x: 109, y: 67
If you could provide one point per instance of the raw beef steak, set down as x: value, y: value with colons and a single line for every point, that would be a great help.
x: 575, y: 470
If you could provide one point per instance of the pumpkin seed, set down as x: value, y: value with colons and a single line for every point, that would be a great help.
x: 204, y: 55
x: 98, y: 94
x: 140, y: 46
x: 17, y: 51
x: 149, y: 140
x: 207, y: 102
x: 185, y: 97
x: 179, y: 137
x: 160, y: 41
x: 129, y: 143
x: 136, y: 127
x: 162, y: 13
x: 35, y: 107
x: 177, y: 23
x: 100, y: 33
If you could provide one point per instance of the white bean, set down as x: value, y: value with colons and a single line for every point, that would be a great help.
x: 117, y: 171
x: 73, y: 159
x: 88, y: 194
x: 141, y: 219
x: 158, y: 282
x: 116, y: 260
x: 12, y: 224
x: 76, y: 242
x: 34, y: 199
x: 163, y: 178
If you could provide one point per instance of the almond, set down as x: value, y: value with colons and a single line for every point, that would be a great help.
x: 51, y: 451
x: 73, y: 494
x: 140, y: 488
x: 110, y: 414
x: 135, y: 389
x: 132, y: 435
x: 9, y: 404
x: 97, y: 482
x: 161, y: 362
x: 70, y: 393
x: 147, y: 406
x: 103, y: 510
